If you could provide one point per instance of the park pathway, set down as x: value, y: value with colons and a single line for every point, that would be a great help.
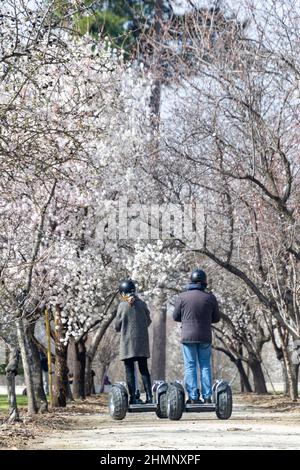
x: 249, y: 428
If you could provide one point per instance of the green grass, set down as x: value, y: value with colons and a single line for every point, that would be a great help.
x: 21, y: 401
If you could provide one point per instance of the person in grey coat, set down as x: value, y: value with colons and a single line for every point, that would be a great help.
x: 132, y: 321
x: 197, y: 309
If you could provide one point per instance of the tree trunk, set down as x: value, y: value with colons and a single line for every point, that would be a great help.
x: 244, y: 375
x: 155, y: 104
x: 79, y: 370
x: 7, y: 354
x: 237, y: 361
x: 291, y: 374
x: 91, y: 352
x: 26, y: 355
x: 284, y: 340
x: 296, y: 375
x: 286, y: 385
x: 258, y: 375
x: 158, y: 369
x: 69, y: 390
x: 11, y: 372
x: 70, y: 365
x: 290, y: 371
x: 245, y: 382
x: 88, y: 374
x: 39, y: 392
x: 155, y: 98
x: 69, y: 393
x: 61, y: 366
x: 102, y: 375
x: 61, y: 377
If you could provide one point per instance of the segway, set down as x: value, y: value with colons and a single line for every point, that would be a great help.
x: 221, y: 401
x: 118, y: 401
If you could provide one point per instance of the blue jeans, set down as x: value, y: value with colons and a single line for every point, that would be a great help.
x: 194, y: 354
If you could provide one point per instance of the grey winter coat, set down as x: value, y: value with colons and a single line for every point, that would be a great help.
x: 133, y: 322
x: 196, y: 310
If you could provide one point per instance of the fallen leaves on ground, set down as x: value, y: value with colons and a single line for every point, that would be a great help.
x: 17, y: 435
x: 268, y: 401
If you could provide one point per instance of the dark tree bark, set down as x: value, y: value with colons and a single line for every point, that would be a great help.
x: 88, y: 374
x: 79, y: 370
x: 244, y: 379
x: 69, y: 392
x: 11, y: 372
x: 27, y: 361
x: 102, y: 376
x: 286, y: 387
x: 31, y: 366
x: 258, y: 375
x: 37, y: 400
x: 296, y: 380
x: 71, y: 365
x: 39, y: 392
x: 280, y: 357
x: 7, y: 354
x: 61, y: 378
x: 243, y: 376
x: 61, y: 366
x: 282, y: 353
x: 158, y: 368
x: 92, y: 349
x: 290, y: 372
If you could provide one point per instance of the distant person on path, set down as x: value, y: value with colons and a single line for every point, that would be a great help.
x: 133, y: 320
x: 44, y: 367
x: 93, y: 390
x: 197, y: 309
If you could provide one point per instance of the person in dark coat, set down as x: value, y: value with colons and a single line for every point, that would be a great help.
x: 132, y: 321
x: 197, y: 309
x: 44, y: 367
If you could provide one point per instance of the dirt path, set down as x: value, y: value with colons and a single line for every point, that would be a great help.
x: 249, y: 428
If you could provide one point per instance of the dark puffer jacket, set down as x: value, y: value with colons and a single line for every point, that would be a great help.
x: 196, y: 310
x: 133, y: 322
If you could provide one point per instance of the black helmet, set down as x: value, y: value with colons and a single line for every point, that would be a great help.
x: 127, y: 286
x: 199, y: 276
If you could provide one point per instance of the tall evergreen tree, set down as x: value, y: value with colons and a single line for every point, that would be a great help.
x: 123, y: 21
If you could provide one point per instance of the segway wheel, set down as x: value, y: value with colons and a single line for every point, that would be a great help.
x: 224, y: 404
x: 117, y: 402
x: 175, y: 400
x: 162, y: 407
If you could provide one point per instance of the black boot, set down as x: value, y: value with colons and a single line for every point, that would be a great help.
x: 134, y: 395
x: 134, y: 400
x: 148, y: 389
x: 138, y: 400
x: 131, y: 388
